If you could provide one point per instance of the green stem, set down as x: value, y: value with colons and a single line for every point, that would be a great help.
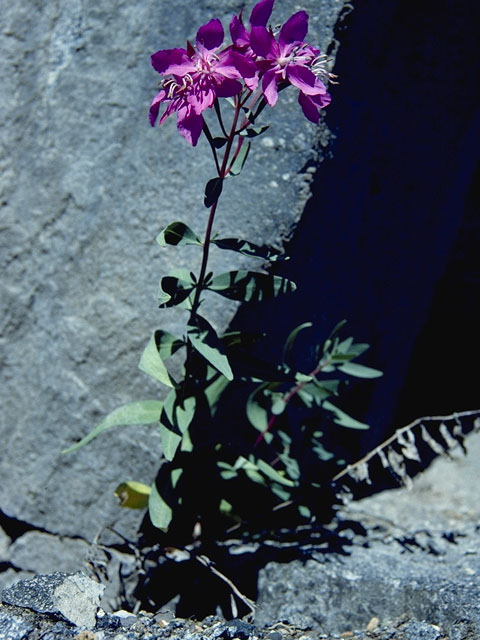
x: 222, y: 172
x: 209, y: 137
x: 218, y: 111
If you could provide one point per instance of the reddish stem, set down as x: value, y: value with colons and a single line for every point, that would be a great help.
x: 288, y: 396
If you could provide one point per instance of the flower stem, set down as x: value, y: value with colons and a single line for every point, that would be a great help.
x: 222, y: 172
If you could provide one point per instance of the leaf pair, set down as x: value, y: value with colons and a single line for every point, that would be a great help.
x: 179, y: 234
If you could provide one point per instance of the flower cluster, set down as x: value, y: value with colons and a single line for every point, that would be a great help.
x: 258, y: 60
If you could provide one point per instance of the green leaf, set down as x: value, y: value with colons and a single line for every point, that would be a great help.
x: 170, y: 442
x: 176, y: 417
x: 175, y: 288
x: 178, y: 234
x: 278, y: 404
x: 228, y: 472
x: 239, y: 162
x: 304, y: 511
x: 225, y: 507
x: 317, y: 392
x: 133, y: 495
x: 144, y: 412
x: 252, y: 132
x: 273, y: 474
x: 280, y: 492
x: 249, y: 249
x: 213, y: 190
x: 359, y: 371
x: 329, y: 341
x: 250, y: 286
x: 357, y: 349
x: 204, y: 339
x: 161, y: 346
x: 214, y: 391
x: 287, y: 349
x: 343, y: 418
x: 291, y: 466
x: 328, y: 387
x: 257, y: 414
x: 320, y: 451
x: 219, y: 142
x: 160, y: 512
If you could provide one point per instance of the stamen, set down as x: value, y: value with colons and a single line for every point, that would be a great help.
x: 319, y: 68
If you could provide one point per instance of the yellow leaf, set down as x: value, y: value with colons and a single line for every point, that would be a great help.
x: 133, y: 495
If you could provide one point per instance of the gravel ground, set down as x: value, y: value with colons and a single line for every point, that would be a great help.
x: 435, y: 524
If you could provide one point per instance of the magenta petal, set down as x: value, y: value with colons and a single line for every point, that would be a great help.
x: 309, y: 108
x: 228, y: 88
x: 246, y: 67
x: 303, y: 78
x: 211, y: 34
x: 321, y: 99
x: 269, y: 87
x: 162, y: 60
x: 190, y: 125
x: 238, y: 32
x: 233, y: 64
x: 261, y: 12
x: 295, y: 29
x: 252, y: 83
x: 203, y: 97
x: 155, y: 107
x: 261, y: 41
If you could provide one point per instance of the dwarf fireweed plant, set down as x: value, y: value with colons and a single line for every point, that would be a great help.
x: 209, y: 472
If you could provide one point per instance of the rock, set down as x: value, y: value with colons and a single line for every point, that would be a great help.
x: 336, y: 594
x: 4, y: 545
x: 13, y: 627
x: 420, y: 558
x: 44, y: 553
x: 11, y: 576
x: 86, y: 187
x: 421, y: 631
x: 73, y: 596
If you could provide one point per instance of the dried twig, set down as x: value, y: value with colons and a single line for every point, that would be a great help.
x: 206, y: 562
x: 394, y: 452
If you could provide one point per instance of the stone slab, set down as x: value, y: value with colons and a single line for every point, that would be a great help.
x: 86, y: 186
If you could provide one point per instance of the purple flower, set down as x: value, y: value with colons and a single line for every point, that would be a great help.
x: 291, y: 61
x: 198, y: 76
x: 241, y: 37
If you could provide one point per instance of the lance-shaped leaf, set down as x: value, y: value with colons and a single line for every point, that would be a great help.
x: 239, y: 162
x: 161, y: 506
x: 176, y: 417
x: 146, y: 412
x: 287, y: 349
x: 133, y: 495
x: 177, y: 233
x: 175, y: 288
x: 250, y: 286
x: 249, y: 249
x: 257, y: 414
x: 204, y: 339
x: 160, y: 512
x: 161, y: 346
x: 359, y: 370
x: 343, y: 418
x: 273, y: 474
x: 253, y: 132
x: 213, y: 190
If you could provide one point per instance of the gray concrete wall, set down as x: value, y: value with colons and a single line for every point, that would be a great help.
x: 86, y: 186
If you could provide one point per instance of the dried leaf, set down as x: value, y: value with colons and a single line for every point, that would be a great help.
x: 406, y: 440
x: 432, y: 443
